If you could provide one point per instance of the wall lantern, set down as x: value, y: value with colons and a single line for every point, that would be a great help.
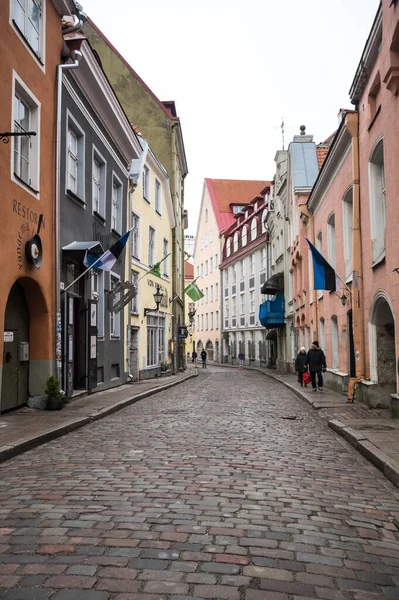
x: 191, y: 316
x: 157, y: 298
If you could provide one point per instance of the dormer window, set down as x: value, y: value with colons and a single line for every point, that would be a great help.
x: 235, y: 242
x: 228, y: 248
x: 244, y: 236
x: 254, y: 226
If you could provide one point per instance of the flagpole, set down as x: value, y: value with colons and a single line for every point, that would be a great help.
x: 88, y: 269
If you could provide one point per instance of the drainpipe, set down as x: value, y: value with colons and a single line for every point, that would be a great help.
x: 352, y: 125
x: 175, y: 316
x: 305, y: 211
x: 58, y: 326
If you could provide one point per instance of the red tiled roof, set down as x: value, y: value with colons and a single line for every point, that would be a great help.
x: 321, y: 153
x: 167, y: 107
x: 225, y: 192
x: 188, y: 270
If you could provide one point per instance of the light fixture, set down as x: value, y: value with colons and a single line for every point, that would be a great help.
x: 157, y: 298
x: 344, y: 299
x: 191, y: 315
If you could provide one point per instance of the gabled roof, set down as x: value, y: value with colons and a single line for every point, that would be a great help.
x: 321, y: 152
x: 225, y: 193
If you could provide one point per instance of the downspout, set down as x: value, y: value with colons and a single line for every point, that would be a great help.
x: 58, y: 325
x: 352, y: 125
x: 305, y: 211
x: 175, y: 317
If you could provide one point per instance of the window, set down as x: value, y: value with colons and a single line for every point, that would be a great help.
x: 216, y: 260
x: 322, y: 335
x: 226, y: 273
x: 233, y: 273
x: 211, y: 265
x: 198, y: 271
x: 377, y: 201
x: 251, y: 302
x: 202, y: 269
x: 235, y: 242
x: 216, y: 291
x: 243, y: 269
x: 347, y: 215
x: 252, y: 264
x: 146, y: 183
x: 206, y: 267
x: 27, y: 17
x: 26, y: 117
x: 151, y: 246
x: 166, y: 261
x: 114, y: 318
x: 217, y: 319
x: 135, y: 238
x: 157, y: 196
x: 134, y: 305
x: 334, y: 342
x: 263, y: 265
x: 74, y: 183
x: 97, y: 293
x: 332, y: 256
x: 264, y: 216
x: 228, y: 247
x: 202, y: 322
x: 206, y: 295
x: 211, y: 320
x: 98, y: 184
x: 116, y: 209
x: 211, y: 295
x: 206, y: 322
x: 242, y: 303
x: 253, y: 229
x: 244, y: 236
x: 155, y: 340
x: 236, y: 209
x: 206, y: 215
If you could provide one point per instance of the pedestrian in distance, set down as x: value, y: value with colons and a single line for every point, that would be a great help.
x: 241, y: 358
x: 301, y: 365
x: 203, y: 357
x: 194, y: 357
x: 317, y: 365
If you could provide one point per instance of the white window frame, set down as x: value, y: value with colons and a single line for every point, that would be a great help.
x: 235, y: 242
x: 146, y: 184
x: 20, y: 90
x: 116, y: 183
x: 206, y: 267
x: 331, y: 241
x: 211, y: 265
x: 217, y: 319
x: 158, y: 197
x: 39, y: 56
x: 114, y: 318
x: 244, y: 236
x: 135, y: 240
x: 151, y: 247
x: 254, y: 229
x: 97, y: 293
x: 73, y: 126
x: 228, y: 247
x: 96, y: 157
x: 211, y: 294
x: 216, y: 291
x: 166, y: 261
x: 377, y: 201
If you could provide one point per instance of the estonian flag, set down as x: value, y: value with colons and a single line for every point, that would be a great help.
x: 325, y: 278
x: 109, y: 258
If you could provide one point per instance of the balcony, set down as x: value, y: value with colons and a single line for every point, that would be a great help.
x: 271, y: 312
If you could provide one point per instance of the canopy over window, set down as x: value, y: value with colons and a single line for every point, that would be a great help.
x: 274, y: 284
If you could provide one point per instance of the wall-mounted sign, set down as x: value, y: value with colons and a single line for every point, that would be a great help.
x: 8, y: 336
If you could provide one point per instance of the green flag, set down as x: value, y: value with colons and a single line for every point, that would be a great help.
x: 156, y: 268
x: 193, y: 292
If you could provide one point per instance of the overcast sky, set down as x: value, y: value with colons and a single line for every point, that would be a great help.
x: 235, y: 68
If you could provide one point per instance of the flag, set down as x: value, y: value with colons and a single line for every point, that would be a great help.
x: 193, y: 292
x: 325, y: 277
x: 156, y: 268
x: 109, y: 258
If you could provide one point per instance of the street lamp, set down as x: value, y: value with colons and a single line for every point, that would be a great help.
x: 191, y: 315
x: 344, y: 299
x: 157, y: 298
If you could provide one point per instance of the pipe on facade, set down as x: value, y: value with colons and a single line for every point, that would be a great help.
x: 61, y: 68
x: 352, y: 125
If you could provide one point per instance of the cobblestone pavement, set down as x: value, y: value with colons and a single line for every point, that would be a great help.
x: 225, y: 487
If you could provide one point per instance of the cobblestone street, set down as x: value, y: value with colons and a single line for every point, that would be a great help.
x: 227, y: 486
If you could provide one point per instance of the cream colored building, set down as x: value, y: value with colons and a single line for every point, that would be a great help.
x: 150, y: 334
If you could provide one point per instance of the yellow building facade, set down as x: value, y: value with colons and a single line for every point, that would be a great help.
x: 149, y: 348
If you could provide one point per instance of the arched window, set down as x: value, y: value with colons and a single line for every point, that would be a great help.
x: 334, y: 342
x: 347, y: 218
x: 235, y: 242
x: 253, y: 229
x: 206, y: 215
x: 228, y: 247
x: 377, y: 201
x: 244, y: 236
x: 332, y: 256
x: 264, y: 215
x: 322, y: 335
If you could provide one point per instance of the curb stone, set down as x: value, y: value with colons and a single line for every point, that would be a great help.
x: 9, y: 451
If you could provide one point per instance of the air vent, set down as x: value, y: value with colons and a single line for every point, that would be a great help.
x: 252, y: 282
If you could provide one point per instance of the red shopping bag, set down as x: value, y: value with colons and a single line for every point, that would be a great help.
x: 306, y: 378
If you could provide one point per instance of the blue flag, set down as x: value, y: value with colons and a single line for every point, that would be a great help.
x: 109, y: 258
x: 325, y: 277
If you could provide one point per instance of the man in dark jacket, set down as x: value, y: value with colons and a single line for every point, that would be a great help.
x: 203, y: 356
x: 317, y: 365
x: 301, y: 364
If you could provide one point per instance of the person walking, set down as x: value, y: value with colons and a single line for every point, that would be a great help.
x: 241, y: 358
x: 194, y: 356
x: 301, y: 365
x: 317, y: 365
x: 203, y: 357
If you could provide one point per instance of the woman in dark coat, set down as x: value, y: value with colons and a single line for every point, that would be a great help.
x: 317, y: 365
x: 301, y: 364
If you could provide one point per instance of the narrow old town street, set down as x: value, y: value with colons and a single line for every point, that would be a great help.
x: 227, y: 486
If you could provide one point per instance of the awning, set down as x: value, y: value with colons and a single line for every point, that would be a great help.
x: 274, y: 284
x: 272, y: 334
x: 78, y: 249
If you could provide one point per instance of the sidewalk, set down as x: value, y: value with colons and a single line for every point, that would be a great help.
x: 27, y: 428
x: 373, y: 432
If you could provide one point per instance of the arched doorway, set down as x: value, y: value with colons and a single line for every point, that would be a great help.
x: 209, y: 350
x: 199, y: 347
x: 14, y: 386
x: 382, y: 348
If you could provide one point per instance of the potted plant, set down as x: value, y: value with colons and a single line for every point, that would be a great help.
x: 163, y: 366
x: 55, y: 396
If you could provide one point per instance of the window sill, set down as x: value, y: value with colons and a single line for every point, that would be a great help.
x: 135, y: 313
x: 21, y: 33
x: 116, y: 234
x: 20, y: 180
x: 75, y: 197
x: 144, y: 198
x: 115, y: 337
x: 99, y: 217
x: 380, y: 260
x: 158, y: 213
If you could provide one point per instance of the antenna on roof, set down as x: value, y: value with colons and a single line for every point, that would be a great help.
x: 282, y: 130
